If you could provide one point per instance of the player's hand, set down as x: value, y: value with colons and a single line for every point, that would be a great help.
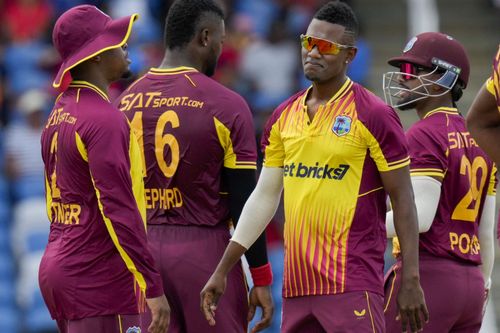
x: 160, y: 314
x: 412, y: 307
x: 261, y: 296
x: 210, y: 295
x: 486, y: 299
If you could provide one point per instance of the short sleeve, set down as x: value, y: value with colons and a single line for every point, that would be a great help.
x: 236, y: 135
x: 271, y: 143
x: 427, y: 153
x: 386, y: 140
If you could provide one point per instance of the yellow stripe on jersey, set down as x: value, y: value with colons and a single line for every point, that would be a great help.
x: 496, y: 76
x: 490, y: 86
x: 48, y: 197
x: 427, y: 173
x: 445, y: 110
x: 85, y: 84
x: 171, y: 71
x: 396, y: 248
x: 190, y: 81
x: 230, y: 158
x: 114, y: 237
x: 377, y: 154
x: 431, y: 172
x: 371, y: 191
x: 109, y: 225
x: 492, y: 186
x: 81, y: 147
x: 136, y: 174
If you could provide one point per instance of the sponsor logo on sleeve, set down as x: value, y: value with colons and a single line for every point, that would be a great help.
x: 133, y: 329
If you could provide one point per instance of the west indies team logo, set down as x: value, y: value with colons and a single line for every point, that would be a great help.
x: 342, y: 125
x: 133, y: 329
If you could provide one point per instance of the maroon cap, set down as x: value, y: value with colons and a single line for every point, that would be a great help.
x: 423, y: 48
x: 85, y: 31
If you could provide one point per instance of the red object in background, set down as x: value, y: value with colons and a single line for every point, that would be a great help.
x: 273, y: 234
x: 26, y: 20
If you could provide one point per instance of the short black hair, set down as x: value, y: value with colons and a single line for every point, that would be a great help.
x: 338, y: 12
x: 183, y: 18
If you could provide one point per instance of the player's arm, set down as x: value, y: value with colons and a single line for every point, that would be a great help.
x: 427, y: 191
x: 411, y: 302
x: 257, y: 213
x: 110, y: 149
x: 487, y: 238
x: 241, y: 183
x: 483, y: 122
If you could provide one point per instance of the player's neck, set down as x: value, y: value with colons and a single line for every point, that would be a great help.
x: 433, y: 104
x: 323, y: 91
x: 174, y: 59
x: 97, y: 80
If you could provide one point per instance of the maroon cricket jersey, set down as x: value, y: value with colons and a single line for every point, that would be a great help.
x: 189, y: 127
x: 97, y: 261
x: 441, y: 146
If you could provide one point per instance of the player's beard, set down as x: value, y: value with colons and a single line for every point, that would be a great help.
x: 408, y: 106
x: 127, y: 74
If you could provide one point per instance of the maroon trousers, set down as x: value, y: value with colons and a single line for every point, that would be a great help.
x: 352, y: 312
x: 186, y: 256
x: 104, y: 324
x: 454, y: 293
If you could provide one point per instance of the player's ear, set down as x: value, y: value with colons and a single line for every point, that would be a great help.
x: 204, y: 37
x: 351, y: 54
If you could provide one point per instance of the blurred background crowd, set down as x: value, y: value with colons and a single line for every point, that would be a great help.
x: 260, y: 60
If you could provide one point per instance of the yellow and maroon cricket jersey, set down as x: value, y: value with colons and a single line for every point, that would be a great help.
x: 189, y: 128
x: 333, y: 195
x: 493, y: 83
x: 97, y: 259
x: 441, y: 146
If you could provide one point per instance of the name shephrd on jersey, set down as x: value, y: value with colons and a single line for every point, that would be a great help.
x: 316, y: 171
x: 154, y: 99
x: 163, y: 198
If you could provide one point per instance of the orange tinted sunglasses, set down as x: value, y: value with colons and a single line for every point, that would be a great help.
x: 324, y: 46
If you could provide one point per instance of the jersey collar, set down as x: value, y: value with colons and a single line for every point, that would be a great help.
x: 338, y: 95
x: 445, y: 110
x: 85, y: 84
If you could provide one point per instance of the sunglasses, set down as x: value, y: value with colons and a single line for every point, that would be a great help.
x: 324, y: 46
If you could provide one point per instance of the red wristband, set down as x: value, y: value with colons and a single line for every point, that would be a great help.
x: 262, y: 275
